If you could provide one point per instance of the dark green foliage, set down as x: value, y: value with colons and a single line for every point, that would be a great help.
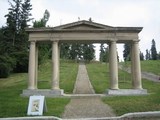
x: 6, y: 65
x: 21, y: 62
x: 153, y: 50
x: 88, y: 52
x: 126, y: 52
x: 104, y: 53
x: 5, y: 70
x: 158, y: 56
x: 141, y: 56
x: 25, y: 16
x: 44, y: 52
x: 38, y: 24
x: 75, y: 51
x: 64, y: 50
x: 148, y: 56
x: 14, y: 39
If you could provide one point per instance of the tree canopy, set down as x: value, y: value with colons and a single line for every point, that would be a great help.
x: 14, y: 39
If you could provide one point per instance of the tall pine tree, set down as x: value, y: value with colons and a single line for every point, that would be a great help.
x: 104, y: 53
x: 153, y: 50
x: 126, y: 52
x: 147, y: 56
x: 88, y: 52
x: 15, y: 39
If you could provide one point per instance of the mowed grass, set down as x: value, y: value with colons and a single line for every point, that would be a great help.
x: 12, y: 105
x: 152, y: 66
x: 68, y: 74
x: 99, y: 76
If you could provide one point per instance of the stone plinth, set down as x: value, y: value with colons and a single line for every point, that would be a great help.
x: 43, y: 92
x: 127, y: 92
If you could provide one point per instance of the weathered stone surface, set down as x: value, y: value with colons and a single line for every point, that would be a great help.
x: 44, y: 92
x: 127, y: 92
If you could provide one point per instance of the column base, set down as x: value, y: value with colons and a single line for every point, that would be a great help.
x: 123, y: 92
x: 43, y: 92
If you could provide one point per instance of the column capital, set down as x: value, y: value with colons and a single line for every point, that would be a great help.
x: 32, y: 39
x: 54, y: 39
x: 32, y: 42
x: 113, y: 39
x: 136, y: 40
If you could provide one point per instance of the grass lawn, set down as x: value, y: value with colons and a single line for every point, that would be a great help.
x: 68, y: 74
x: 12, y: 105
x: 147, y: 66
x: 152, y: 66
x: 99, y: 77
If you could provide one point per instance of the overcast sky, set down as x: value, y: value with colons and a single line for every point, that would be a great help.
x: 125, y: 13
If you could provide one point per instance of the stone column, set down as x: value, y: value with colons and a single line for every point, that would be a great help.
x: 135, y: 66
x: 55, y: 65
x: 36, y: 67
x: 32, y: 65
x: 113, y: 65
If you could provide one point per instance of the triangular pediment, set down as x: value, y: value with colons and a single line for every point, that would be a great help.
x: 83, y: 25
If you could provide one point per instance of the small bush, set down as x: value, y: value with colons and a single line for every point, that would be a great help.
x: 6, y: 65
x: 4, y: 70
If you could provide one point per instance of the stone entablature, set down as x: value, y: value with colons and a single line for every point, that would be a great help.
x: 84, y: 31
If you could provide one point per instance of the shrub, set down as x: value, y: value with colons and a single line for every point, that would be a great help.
x: 6, y: 65
x: 4, y: 70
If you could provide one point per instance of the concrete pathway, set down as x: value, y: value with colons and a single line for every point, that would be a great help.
x: 83, y: 85
x: 86, y: 107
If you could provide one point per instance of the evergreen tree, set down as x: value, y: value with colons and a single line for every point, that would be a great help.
x: 141, y: 56
x: 126, y: 52
x: 88, y: 52
x: 13, y: 20
x: 147, y: 56
x: 75, y: 51
x: 104, y: 53
x: 15, y: 39
x: 159, y: 56
x: 26, y: 15
x: 64, y: 51
x: 153, y: 50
